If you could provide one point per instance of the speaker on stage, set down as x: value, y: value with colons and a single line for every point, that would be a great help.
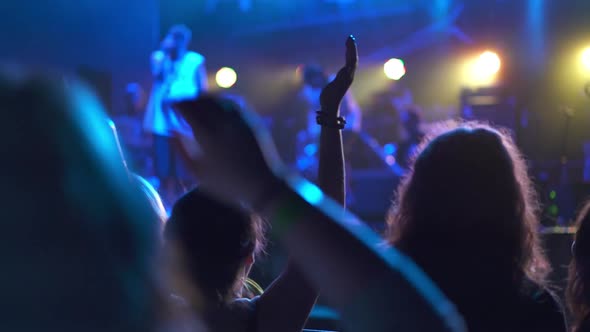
x: 362, y: 152
x: 371, y: 181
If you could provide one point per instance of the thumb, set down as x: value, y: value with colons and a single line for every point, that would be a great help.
x: 190, y: 146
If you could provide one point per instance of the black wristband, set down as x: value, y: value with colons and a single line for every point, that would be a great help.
x: 325, y: 121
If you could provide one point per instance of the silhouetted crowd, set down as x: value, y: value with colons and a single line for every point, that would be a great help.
x: 88, y: 246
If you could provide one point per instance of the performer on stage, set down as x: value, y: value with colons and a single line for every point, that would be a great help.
x: 178, y: 74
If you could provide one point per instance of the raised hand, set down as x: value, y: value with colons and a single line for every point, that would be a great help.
x: 236, y: 159
x: 334, y: 92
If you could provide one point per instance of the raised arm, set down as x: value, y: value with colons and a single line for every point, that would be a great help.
x: 331, y: 172
x: 375, y: 288
x: 157, y: 64
x: 288, y: 301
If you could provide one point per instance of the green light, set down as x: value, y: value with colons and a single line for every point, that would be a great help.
x: 552, y: 194
x: 553, y: 210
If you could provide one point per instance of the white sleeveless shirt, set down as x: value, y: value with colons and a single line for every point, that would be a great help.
x: 181, y: 81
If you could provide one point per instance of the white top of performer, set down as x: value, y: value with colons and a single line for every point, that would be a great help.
x: 178, y: 74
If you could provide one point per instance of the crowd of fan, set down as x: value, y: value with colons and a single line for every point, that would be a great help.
x: 86, y: 246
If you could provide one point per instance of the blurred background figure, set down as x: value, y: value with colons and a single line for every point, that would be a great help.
x: 382, y: 119
x: 314, y: 80
x: 412, y: 135
x: 177, y: 74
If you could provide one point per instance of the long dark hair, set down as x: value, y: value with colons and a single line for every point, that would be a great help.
x: 467, y: 211
x: 578, y: 287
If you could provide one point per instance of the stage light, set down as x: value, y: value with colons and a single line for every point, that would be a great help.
x: 586, y: 58
x: 310, y: 149
x: 299, y: 71
x: 389, y: 149
x: 226, y: 77
x: 488, y: 64
x: 390, y: 160
x: 394, y: 69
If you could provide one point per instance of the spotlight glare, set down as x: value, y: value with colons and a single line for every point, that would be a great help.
x: 226, y: 77
x: 488, y: 64
x: 586, y: 58
x: 394, y: 69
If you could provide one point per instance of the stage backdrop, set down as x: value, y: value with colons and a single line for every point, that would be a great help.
x: 108, y: 41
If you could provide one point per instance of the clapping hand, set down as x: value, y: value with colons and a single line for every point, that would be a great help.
x: 334, y: 92
x: 238, y: 161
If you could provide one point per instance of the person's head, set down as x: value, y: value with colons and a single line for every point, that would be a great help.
x: 134, y: 98
x: 215, y: 243
x: 578, y: 288
x: 76, y: 249
x: 468, y: 207
x: 314, y: 76
x: 177, y: 39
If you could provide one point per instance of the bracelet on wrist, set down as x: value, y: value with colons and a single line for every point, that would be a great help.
x: 327, y: 121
